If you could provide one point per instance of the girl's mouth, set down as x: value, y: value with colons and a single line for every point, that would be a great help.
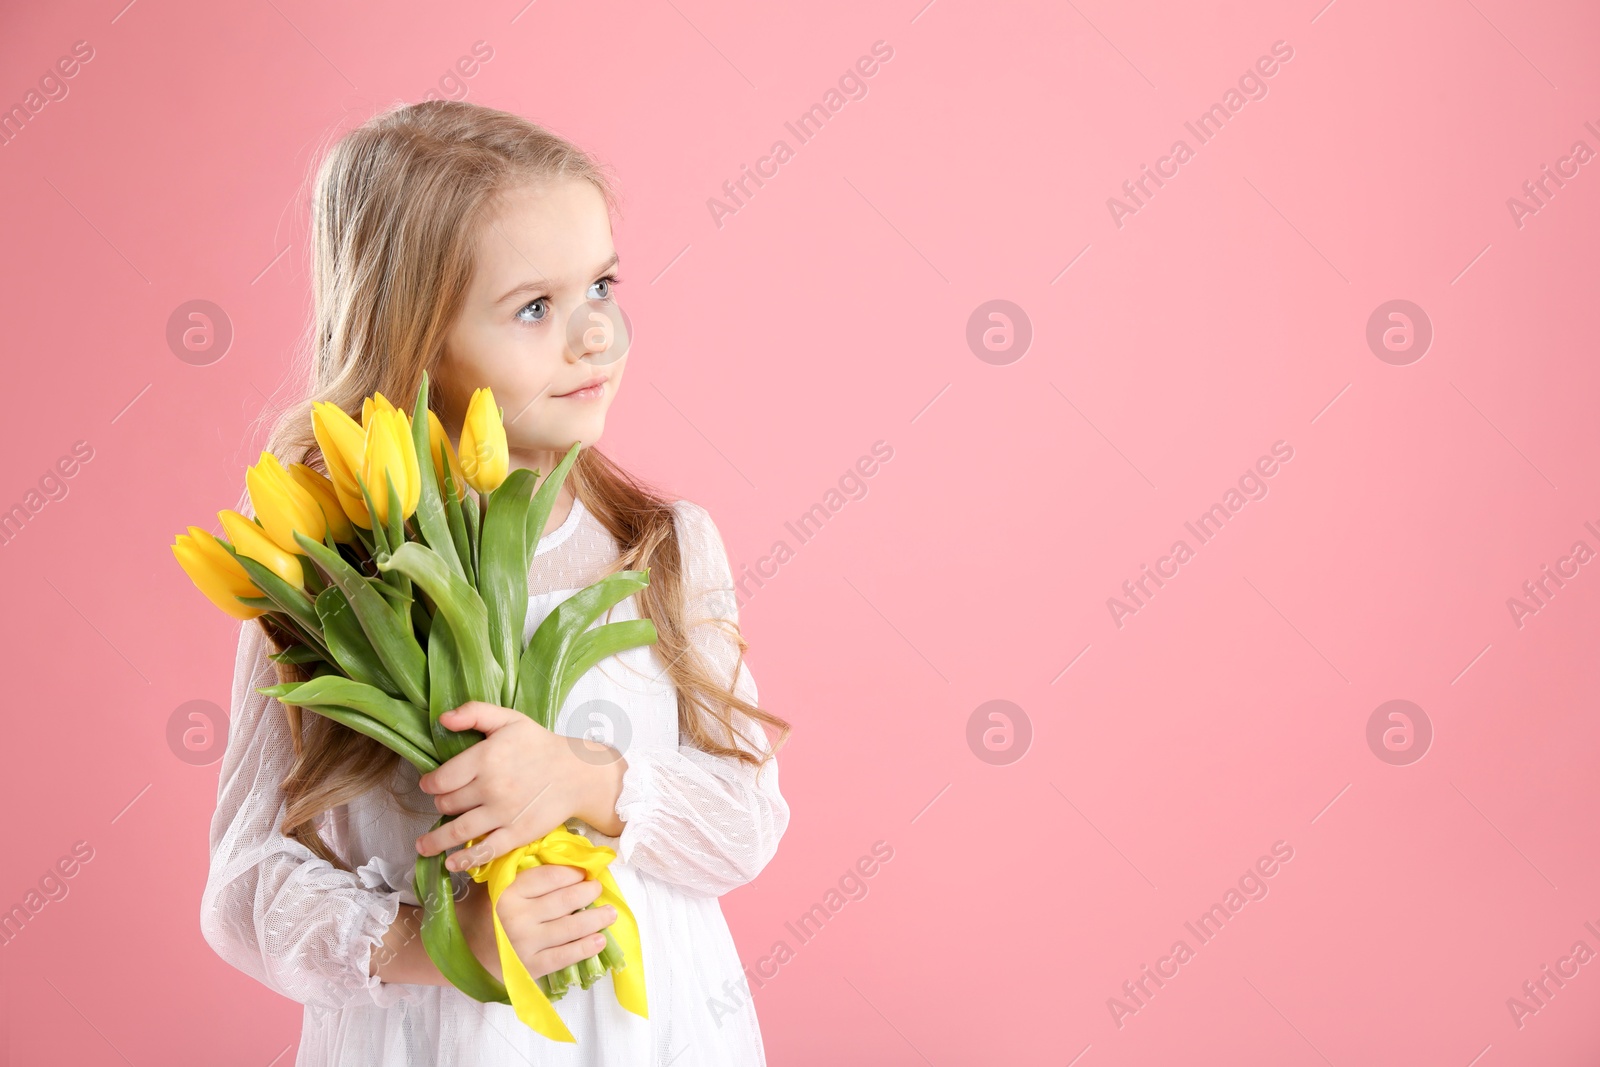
x: 594, y: 388
x: 590, y: 392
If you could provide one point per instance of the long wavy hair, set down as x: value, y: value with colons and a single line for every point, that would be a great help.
x: 395, y: 206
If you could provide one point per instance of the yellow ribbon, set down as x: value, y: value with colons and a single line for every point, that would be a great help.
x: 572, y: 850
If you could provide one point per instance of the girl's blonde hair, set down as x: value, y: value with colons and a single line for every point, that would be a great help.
x: 395, y: 208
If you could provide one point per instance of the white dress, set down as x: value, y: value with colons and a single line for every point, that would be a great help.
x: 696, y: 826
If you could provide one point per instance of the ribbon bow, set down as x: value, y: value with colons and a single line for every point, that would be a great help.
x: 573, y: 850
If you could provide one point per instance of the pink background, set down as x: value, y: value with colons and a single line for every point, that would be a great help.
x: 830, y: 312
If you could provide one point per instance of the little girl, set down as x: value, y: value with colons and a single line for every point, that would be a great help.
x: 476, y: 246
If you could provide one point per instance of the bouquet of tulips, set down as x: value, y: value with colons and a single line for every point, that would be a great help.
x: 407, y: 597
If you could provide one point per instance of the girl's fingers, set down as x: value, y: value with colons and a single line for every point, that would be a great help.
x: 553, y: 959
x: 555, y: 895
x: 568, y: 900
x: 494, y: 846
x: 480, y: 715
x: 457, y: 801
x: 580, y: 925
x: 453, y: 773
x: 457, y: 831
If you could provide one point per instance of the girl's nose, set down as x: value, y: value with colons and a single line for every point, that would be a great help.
x: 594, y: 331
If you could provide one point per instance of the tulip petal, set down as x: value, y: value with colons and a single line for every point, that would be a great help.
x: 322, y: 488
x: 485, y: 459
x: 215, y: 572
x: 282, y: 504
x: 343, y: 443
x: 250, y: 541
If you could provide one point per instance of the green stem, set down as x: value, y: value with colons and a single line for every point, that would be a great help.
x: 590, y: 971
x: 612, y: 958
x: 556, y: 982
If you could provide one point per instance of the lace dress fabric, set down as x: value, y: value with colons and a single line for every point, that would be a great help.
x: 696, y: 825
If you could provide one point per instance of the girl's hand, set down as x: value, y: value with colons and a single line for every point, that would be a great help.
x: 537, y: 911
x: 516, y: 785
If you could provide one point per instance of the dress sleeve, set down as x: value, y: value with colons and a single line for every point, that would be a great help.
x: 271, y: 907
x: 705, y: 823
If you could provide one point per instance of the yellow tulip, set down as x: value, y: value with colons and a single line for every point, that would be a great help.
x: 215, y: 573
x: 319, y: 486
x: 283, y: 505
x: 485, y: 460
x: 366, y: 412
x: 343, y: 443
x: 437, y: 439
x: 390, y: 457
x: 252, y: 542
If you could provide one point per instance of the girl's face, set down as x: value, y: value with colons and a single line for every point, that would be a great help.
x: 539, y: 322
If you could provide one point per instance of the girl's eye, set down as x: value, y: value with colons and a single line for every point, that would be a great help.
x: 542, y: 305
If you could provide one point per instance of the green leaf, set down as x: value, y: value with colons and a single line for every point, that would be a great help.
x: 297, y: 654
x: 348, y: 642
x: 596, y: 644
x: 544, y: 664
x: 407, y: 720
x: 503, y: 574
x: 545, y: 498
x: 314, y: 582
x: 460, y: 607
x: 312, y: 641
x: 472, y: 512
x: 430, y: 515
x: 442, y: 936
x: 366, y: 724
x: 446, y: 692
x: 387, y: 631
x: 289, y: 599
x: 380, y: 535
x: 458, y: 525
x: 397, y: 520
x: 399, y: 599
